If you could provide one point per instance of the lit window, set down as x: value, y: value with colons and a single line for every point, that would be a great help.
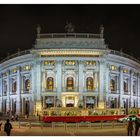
x: 113, y: 68
x: 112, y: 85
x: 125, y: 86
x: 50, y: 62
x: 125, y: 70
x: 70, y: 84
x: 5, y: 73
x: 14, y: 70
x: 90, y: 62
x: 49, y: 83
x: 46, y: 62
x: 70, y: 62
x: 27, y: 67
x: 14, y: 86
x: 27, y: 84
x: 89, y: 83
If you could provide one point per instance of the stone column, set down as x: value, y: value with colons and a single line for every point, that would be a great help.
x: 121, y: 86
x: 18, y: 111
x: 84, y: 101
x: 44, y: 101
x: 8, y: 91
x: 1, y: 93
x: 59, y: 79
x: 107, y: 84
x: 138, y: 90
x: 22, y: 105
x: 102, y: 88
x: 38, y: 84
x: 80, y: 79
x: 32, y: 90
x: 54, y: 103
x: 38, y: 81
x: 131, y: 88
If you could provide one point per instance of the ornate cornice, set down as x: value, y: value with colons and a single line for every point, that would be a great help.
x: 69, y: 52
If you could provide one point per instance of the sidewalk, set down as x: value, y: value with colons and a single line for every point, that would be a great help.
x: 57, y: 131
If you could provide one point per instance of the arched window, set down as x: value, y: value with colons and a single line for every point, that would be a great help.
x: 112, y: 85
x: 5, y: 87
x: 49, y: 83
x: 14, y: 86
x: 134, y: 87
x: 27, y: 84
x: 125, y: 86
x: 89, y: 83
x: 70, y: 83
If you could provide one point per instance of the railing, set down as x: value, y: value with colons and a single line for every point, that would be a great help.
x: 124, y: 55
x: 70, y: 35
x: 20, y: 53
x: 66, y: 127
x: 126, y: 93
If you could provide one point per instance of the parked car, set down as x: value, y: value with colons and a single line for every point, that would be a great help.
x: 126, y: 118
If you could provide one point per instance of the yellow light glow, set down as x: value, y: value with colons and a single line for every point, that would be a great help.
x: 125, y: 70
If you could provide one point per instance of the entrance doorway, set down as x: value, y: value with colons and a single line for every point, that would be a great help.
x: 70, y: 105
x: 13, y: 107
x: 90, y: 101
x: 27, y: 107
x: 70, y: 99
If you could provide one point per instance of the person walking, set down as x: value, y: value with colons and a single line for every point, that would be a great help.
x: 12, y: 118
x: 8, y: 127
x: 130, y: 127
x: 0, y: 124
x: 16, y: 118
x: 137, y: 124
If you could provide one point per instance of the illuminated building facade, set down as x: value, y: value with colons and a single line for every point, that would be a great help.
x: 68, y: 70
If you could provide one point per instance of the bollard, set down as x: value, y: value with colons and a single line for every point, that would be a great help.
x: 89, y: 125
x: 101, y: 124
x: 19, y: 124
x: 77, y: 125
x: 29, y: 124
x: 65, y: 126
x: 41, y: 125
x: 53, y: 128
x: 112, y: 124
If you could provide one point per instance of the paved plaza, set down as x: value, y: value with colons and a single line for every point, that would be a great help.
x: 65, y: 131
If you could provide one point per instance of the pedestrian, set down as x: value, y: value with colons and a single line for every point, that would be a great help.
x: 12, y: 118
x: 16, y: 118
x: 130, y: 127
x: 137, y: 124
x: 0, y: 125
x: 7, y: 127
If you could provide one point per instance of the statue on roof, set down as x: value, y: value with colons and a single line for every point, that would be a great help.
x: 69, y: 27
x: 102, y: 29
x: 38, y: 29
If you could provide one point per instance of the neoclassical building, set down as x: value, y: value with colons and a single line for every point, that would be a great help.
x: 68, y: 70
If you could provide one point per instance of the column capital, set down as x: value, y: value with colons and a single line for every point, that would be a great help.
x: 108, y: 65
x: 121, y: 68
x: 102, y: 61
x: 19, y: 68
x: 131, y: 71
x: 38, y: 62
x: 138, y: 74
